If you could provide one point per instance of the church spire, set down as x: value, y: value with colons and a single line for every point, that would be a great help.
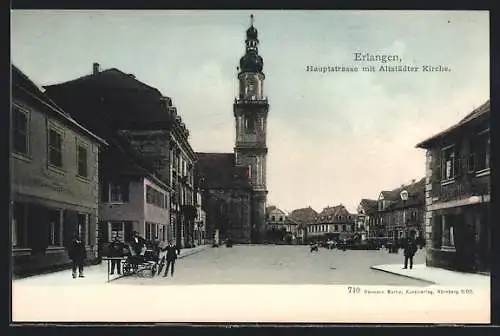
x: 251, y: 62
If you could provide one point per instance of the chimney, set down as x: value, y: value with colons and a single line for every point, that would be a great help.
x: 413, y: 181
x: 95, y: 69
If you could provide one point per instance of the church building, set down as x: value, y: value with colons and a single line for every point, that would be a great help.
x: 234, y: 184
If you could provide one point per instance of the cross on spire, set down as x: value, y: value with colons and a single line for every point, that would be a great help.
x: 251, y: 20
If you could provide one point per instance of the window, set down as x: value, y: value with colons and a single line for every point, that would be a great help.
x: 115, y: 192
x: 20, y: 131
x: 273, y: 218
x: 343, y: 228
x: 19, y: 226
x: 117, y: 230
x: 336, y: 227
x: 155, y: 197
x: 55, y: 148
x: 83, y: 227
x: 81, y: 154
x: 448, y: 168
x: 479, y: 158
x: 281, y: 219
x: 447, y: 239
x: 55, y: 228
x: 151, y: 231
x: 250, y: 123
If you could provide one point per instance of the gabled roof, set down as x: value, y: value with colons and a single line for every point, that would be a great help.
x: 475, y: 114
x: 369, y: 205
x: 333, y: 211
x: 303, y: 215
x: 416, y: 195
x: 23, y: 85
x: 218, y: 171
x: 274, y: 209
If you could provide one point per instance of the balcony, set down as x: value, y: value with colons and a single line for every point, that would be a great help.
x: 251, y: 101
x: 461, y: 189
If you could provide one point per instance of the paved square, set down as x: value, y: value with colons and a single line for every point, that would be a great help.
x: 282, y: 264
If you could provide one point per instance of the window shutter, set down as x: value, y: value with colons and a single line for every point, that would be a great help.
x: 438, y: 169
x: 105, y: 191
x: 125, y: 191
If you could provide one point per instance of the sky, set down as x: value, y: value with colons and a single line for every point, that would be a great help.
x: 333, y: 137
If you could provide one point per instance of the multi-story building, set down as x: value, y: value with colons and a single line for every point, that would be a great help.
x: 401, y: 210
x: 54, y: 180
x: 119, y: 105
x: 457, y: 191
x: 367, y: 218
x: 303, y: 217
x: 280, y: 225
x: 333, y: 222
x: 132, y: 197
x: 200, y: 221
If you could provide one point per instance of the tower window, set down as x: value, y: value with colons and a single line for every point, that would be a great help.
x: 250, y: 123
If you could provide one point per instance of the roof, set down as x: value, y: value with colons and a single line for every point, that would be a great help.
x: 416, y: 196
x: 275, y: 209
x: 132, y: 101
x: 22, y: 84
x: 218, y: 171
x: 474, y: 115
x: 369, y: 205
x: 303, y: 215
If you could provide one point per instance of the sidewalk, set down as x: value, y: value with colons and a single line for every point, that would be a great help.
x: 437, y: 276
x: 94, y: 275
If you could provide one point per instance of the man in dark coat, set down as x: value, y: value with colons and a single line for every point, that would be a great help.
x: 171, y: 256
x: 410, y: 248
x: 138, y: 243
x: 116, y: 251
x: 77, y: 254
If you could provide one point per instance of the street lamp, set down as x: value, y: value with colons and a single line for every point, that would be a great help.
x: 404, y: 197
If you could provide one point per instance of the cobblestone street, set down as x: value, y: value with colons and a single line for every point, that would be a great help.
x: 292, y: 265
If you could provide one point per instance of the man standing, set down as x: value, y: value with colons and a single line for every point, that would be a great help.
x: 171, y: 256
x: 77, y: 255
x: 116, y: 251
x: 410, y: 248
x: 138, y: 244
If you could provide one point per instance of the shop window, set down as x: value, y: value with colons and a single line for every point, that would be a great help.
x: 19, y: 226
x: 83, y: 227
x: 54, y: 232
x: 448, y: 163
x: 447, y: 237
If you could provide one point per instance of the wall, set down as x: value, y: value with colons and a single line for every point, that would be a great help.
x: 35, y: 182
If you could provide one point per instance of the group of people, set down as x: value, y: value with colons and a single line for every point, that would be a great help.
x: 139, y: 248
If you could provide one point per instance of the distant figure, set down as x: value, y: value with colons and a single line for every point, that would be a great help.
x: 172, y: 252
x: 77, y: 255
x: 314, y: 247
x: 330, y: 244
x: 410, y: 248
x: 115, y: 251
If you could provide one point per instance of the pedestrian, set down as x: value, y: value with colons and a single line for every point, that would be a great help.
x: 116, y: 251
x: 138, y: 244
x: 410, y: 248
x: 77, y: 255
x: 172, y: 252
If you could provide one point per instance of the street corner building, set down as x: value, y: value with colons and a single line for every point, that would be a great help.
x: 457, y: 194
x: 147, y: 175
x: 280, y: 228
x: 233, y: 209
x: 401, y: 210
x: 54, y: 180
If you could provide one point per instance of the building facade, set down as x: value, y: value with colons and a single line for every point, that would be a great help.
x: 119, y: 105
x: 457, y: 218
x: 54, y: 180
x: 333, y: 222
x: 279, y: 226
x: 401, y: 211
x: 303, y: 217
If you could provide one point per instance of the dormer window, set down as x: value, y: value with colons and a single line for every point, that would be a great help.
x: 404, y: 195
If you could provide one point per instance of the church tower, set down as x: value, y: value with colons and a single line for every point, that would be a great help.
x: 250, y: 112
